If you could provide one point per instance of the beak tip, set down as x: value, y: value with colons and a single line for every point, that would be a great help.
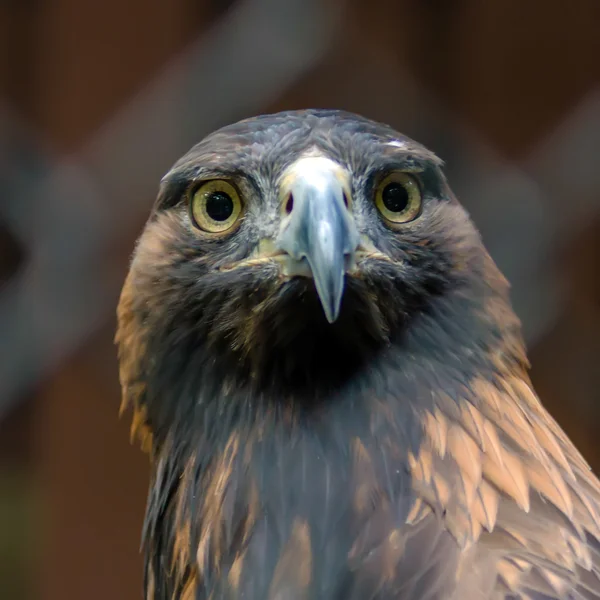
x: 331, y: 316
x: 331, y: 306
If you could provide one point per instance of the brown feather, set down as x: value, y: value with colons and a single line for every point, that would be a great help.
x: 293, y: 572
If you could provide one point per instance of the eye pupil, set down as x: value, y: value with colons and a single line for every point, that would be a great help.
x: 395, y: 197
x: 219, y: 206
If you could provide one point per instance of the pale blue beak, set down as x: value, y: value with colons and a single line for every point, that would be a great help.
x: 320, y: 229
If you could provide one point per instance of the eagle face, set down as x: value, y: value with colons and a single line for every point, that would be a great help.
x: 284, y: 251
x: 328, y: 376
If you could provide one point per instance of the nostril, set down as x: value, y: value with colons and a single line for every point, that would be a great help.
x: 346, y: 200
x: 289, y: 205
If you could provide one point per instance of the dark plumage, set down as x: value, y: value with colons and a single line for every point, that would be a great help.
x: 390, y: 447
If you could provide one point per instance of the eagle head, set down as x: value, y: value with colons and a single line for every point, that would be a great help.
x: 285, y: 251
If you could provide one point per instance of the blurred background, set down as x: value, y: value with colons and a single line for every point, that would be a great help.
x: 98, y: 99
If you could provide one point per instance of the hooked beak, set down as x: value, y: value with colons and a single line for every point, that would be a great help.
x: 319, y: 228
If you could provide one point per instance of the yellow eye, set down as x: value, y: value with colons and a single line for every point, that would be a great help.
x: 216, y: 206
x: 398, y: 198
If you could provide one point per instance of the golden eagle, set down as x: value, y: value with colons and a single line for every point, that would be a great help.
x: 328, y: 376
